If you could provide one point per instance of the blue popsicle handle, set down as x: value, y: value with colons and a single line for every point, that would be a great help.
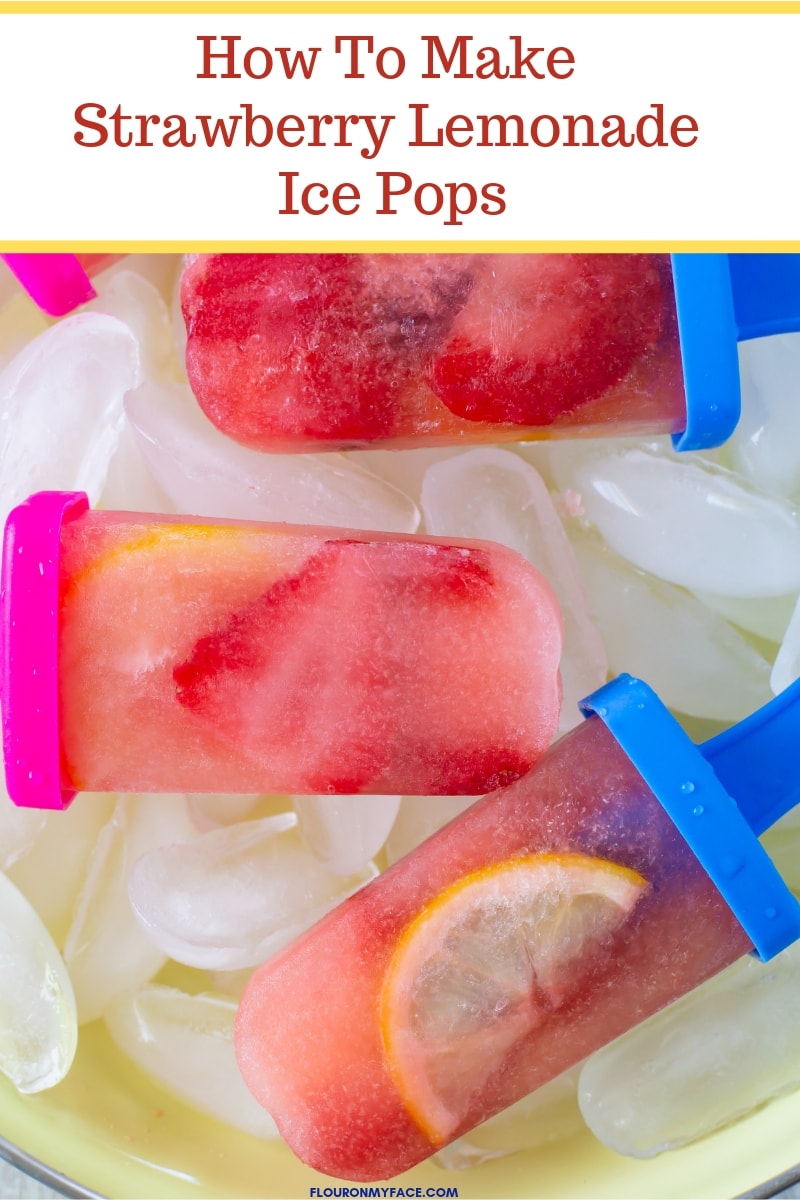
x: 708, y: 339
x: 766, y: 294
x: 757, y: 763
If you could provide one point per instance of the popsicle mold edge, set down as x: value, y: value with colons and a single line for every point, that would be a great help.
x: 57, y: 283
x: 717, y: 831
x: 29, y: 631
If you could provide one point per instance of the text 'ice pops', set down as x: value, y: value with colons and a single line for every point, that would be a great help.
x: 294, y: 352
x: 146, y: 653
x: 543, y: 922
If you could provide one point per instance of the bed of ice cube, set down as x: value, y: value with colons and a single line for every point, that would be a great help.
x: 682, y: 569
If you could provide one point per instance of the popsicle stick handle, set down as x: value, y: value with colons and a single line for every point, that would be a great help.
x: 766, y: 294
x: 721, y: 300
x: 756, y: 760
x: 709, y: 355
x: 56, y: 282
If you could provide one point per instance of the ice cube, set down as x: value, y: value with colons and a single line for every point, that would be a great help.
x: 766, y: 443
x: 136, y: 302
x: 208, y: 811
x: 162, y: 271
x: 230, y: 983
x: 701, y: 1063
x: 51, y: 875
x: 61, y: 407
x: 179, y: 335
x: 130, y: 484
x: 236, y: 895
x: 19, y: 828
x: 696, y: 662
x: 767, y: 617
x: 691, y: 522
x: 787, y: 661
x: 106, y: 952
x: 493, y: 494
x: 20, y: 322
x: 185, y: 1043
x: 418, y: 818
x: 404, y: 469
x: 205, y: 473
x: 345, y: 832
x: 39, y: 1026
x: 549, y: 1114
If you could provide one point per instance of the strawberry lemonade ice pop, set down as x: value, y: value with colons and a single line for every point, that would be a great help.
x: 147, y: 653
x: 545, y: 921
x: 293, y: 352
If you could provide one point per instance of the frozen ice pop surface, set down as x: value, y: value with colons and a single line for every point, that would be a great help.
x: 242, y: 657
x: 700, y: 1064
x: 291, y: 352
x: 546, y: 920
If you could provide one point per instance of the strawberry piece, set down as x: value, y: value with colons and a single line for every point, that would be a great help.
x: 472, y: 772
x: 372, y: 667
x: 279, y: 680
x: 314, y: 346
x: 544, y: 334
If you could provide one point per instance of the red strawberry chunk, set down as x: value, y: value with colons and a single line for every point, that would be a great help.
x: 317, y: 346
x: 279, y: 680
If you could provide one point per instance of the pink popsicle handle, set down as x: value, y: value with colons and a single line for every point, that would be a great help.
x: 29, y: 631
x: 56, y: 282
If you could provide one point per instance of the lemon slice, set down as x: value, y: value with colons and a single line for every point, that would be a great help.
x: 483, y: 964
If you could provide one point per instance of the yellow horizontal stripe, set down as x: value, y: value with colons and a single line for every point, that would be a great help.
x: 655, y: 246
x: 378, y: 7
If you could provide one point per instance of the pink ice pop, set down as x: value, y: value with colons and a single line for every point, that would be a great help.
x: 539, y: 925
x: 304, y: 352
x: 218, y: 656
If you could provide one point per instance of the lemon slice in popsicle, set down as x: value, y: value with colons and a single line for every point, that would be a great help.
x: 481, y: 965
